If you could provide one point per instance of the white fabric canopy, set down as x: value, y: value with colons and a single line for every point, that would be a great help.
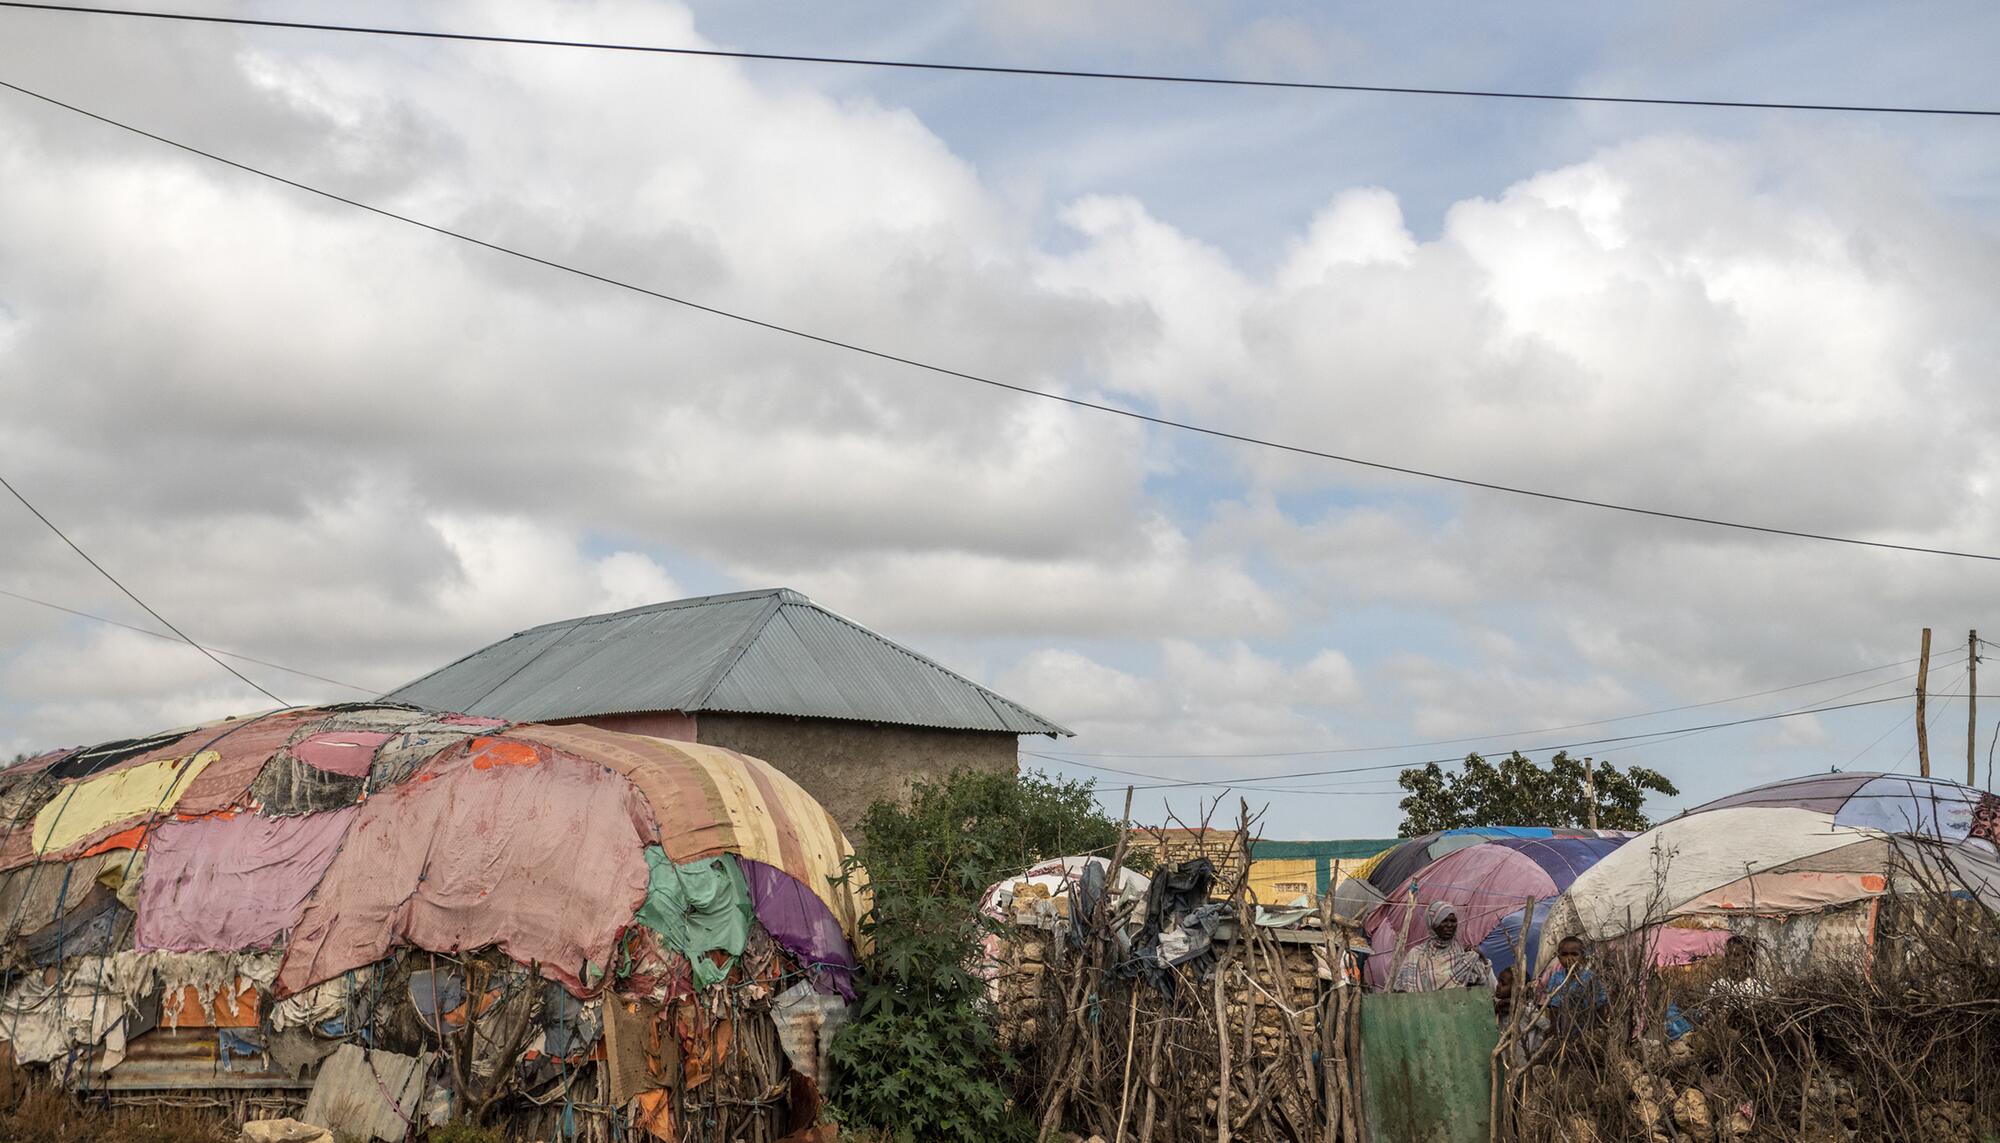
x: 1655, y: 875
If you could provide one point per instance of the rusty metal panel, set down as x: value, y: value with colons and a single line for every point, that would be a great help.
x: 187, y: 1059
x: 1426, y: 1065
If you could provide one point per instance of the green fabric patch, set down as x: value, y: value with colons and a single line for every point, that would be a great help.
x: 697, y: 908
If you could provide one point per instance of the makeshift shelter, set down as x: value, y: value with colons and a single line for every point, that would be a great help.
x: 326, y: 896
x: 1802, y: 862
x: 1483, y: 883
x: 1393, y: 868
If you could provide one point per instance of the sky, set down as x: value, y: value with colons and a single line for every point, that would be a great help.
x: 339, y: 444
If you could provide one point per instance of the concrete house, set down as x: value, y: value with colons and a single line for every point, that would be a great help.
x: 850, y: 715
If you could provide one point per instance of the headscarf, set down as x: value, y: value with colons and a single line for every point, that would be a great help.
x: 1436, y: 915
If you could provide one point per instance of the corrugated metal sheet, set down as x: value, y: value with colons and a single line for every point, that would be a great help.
x: 757, y: 652
x: 188, y: 1059
x: 1426, y: 1065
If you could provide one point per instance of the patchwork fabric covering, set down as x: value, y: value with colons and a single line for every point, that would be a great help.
x: 1484, y: 883
x: 1393, y: 868
x: 282, y: 862
x: 1791, y: 848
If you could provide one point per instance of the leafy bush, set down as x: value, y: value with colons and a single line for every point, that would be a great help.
x: 920, y: 1060
x: 1519, y: 792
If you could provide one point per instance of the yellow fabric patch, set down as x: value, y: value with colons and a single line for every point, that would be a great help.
x: 90, y: 805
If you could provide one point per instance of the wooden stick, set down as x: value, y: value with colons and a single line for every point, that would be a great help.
x: 1152, y: 1082
x: 1329, y: 1026
x: 1923, y: 678
x: 1125, y: 1089
x: 1222, y: 1050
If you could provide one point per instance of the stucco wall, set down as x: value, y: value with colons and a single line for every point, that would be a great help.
x: 654, y: 724
x: 849, y: 766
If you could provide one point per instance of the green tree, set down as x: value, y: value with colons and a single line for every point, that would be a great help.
x: 1518, y: 792
x: 920, y: 1059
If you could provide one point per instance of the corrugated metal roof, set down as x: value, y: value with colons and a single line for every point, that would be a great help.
x: 750, y: 652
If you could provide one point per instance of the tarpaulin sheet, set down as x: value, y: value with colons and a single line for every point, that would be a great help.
x: 544, y: 861
x: 115, y: 798
x: 698, y: 907
x: 709, y: 800
x: 224, y: 883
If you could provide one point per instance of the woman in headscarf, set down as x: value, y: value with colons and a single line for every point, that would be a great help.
x: 1440, y: 962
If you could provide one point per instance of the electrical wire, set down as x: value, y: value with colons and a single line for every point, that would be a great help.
x: 1669, y: 735
x: 171, y: 639
x: 129, y: 594
x: 995, y: 383
x: 1177, y: 784
x: 1504, y: 733
x: 1929, y: 726
x: 1000, y: 70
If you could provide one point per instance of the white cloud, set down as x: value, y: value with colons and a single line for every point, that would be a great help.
x: 322, y: 439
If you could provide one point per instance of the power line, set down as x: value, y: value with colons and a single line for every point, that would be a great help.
x: 1530, y: 750
x: 996, y: 69
x: 1504, y: 733
x: 133, y: 597
x: 1024, y: 390
x: 171, y: 639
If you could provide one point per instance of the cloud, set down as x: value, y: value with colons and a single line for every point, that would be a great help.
x: 320, y: 438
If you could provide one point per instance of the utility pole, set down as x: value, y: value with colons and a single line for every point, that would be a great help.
x: 1971, y: 702
x: 1590, y: 789
x: 1923, y: 677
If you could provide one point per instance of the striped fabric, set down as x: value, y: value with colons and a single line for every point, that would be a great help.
x: 709, y: 800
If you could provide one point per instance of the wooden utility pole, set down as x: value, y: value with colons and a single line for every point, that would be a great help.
x: 1971, y: 702
x: 1923, y: 677
x: 1590, y: 790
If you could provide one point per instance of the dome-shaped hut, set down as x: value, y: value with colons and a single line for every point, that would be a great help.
x: 1801, y: 864
x: 394, y: 913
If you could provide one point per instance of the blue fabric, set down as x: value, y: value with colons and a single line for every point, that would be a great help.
x: 1498, y: 947
x: 1678, y: 1024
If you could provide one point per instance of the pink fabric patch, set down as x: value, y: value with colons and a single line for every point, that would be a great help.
x: 348, y: 752
x: 543, y: 861
x: 220, y: 884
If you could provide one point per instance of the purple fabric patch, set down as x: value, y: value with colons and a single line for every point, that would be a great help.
x: 348, y: 752
x: 802, y: 925
x: 220, y: 884
x: 1823, y: 792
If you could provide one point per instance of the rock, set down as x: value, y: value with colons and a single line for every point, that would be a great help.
x: 284, y: 1131
x: 1692, y: 1116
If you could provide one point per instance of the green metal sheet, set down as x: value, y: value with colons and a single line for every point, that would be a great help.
x: 1346, y: 849
x: 1427, y: 1065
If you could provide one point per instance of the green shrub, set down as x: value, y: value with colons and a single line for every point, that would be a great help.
x: 920, y: 1060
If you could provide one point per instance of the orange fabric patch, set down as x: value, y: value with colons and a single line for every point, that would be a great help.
x: 187, y: 1010
x: 490, y: 752
x: 656, y: 1114
x: 123, y: 839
